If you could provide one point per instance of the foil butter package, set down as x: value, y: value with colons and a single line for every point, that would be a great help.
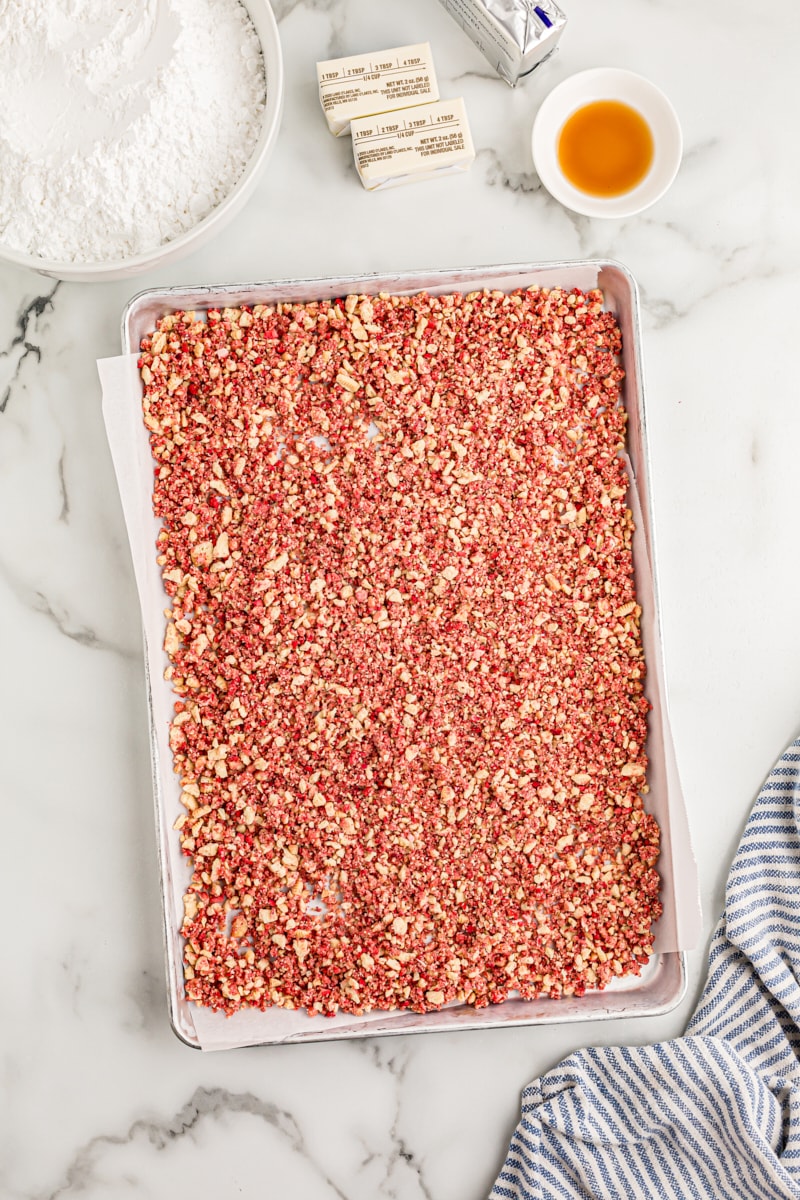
x: 515, y: 36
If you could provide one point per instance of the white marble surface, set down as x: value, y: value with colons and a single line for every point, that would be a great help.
x: 100, y: 1100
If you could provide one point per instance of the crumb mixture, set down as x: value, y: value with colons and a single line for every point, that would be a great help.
x: 405, y: 643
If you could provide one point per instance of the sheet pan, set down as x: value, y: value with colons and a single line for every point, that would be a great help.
x: 663, y: 981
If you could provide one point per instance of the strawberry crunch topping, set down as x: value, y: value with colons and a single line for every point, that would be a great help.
x: 405, y: 643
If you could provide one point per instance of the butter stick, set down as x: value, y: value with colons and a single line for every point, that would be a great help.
x: 374, y: 83
x: 418, y: 143
x: 515, y: 36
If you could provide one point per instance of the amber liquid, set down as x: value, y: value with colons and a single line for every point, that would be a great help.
x: 605, y: 148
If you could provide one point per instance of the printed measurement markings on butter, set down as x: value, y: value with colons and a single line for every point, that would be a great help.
x: 365, y: 84
x: 399, y: 147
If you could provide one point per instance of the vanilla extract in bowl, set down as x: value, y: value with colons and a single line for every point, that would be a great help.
x: 606, y: 143
x: 605, y: 148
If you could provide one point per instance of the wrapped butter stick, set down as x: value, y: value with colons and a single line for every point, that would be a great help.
x: 373, y: 83
x: 514, y: 35
x: 416, y: 143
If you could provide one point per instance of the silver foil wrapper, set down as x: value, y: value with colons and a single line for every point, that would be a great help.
x: 515, y: 36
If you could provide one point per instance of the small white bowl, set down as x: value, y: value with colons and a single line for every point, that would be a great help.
x: 607, y: 83
x: 266, y: 28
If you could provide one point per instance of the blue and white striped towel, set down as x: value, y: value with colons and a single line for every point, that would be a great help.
x: 712, y: 1115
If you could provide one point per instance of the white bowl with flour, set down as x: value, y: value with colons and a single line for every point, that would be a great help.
x: 131, y: 131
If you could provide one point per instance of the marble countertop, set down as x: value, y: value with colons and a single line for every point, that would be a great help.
x: 101, y: 1100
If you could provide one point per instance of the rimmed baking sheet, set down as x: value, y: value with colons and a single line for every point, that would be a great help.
x: 663, y: 980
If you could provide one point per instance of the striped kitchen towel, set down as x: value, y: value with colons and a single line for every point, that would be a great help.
x: 714, y: 1114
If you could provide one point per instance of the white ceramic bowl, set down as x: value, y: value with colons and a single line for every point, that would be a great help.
x: 265, y: 26
x: 607, y: 83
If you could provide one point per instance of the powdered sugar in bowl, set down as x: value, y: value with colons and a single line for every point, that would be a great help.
x: 132, y: 130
